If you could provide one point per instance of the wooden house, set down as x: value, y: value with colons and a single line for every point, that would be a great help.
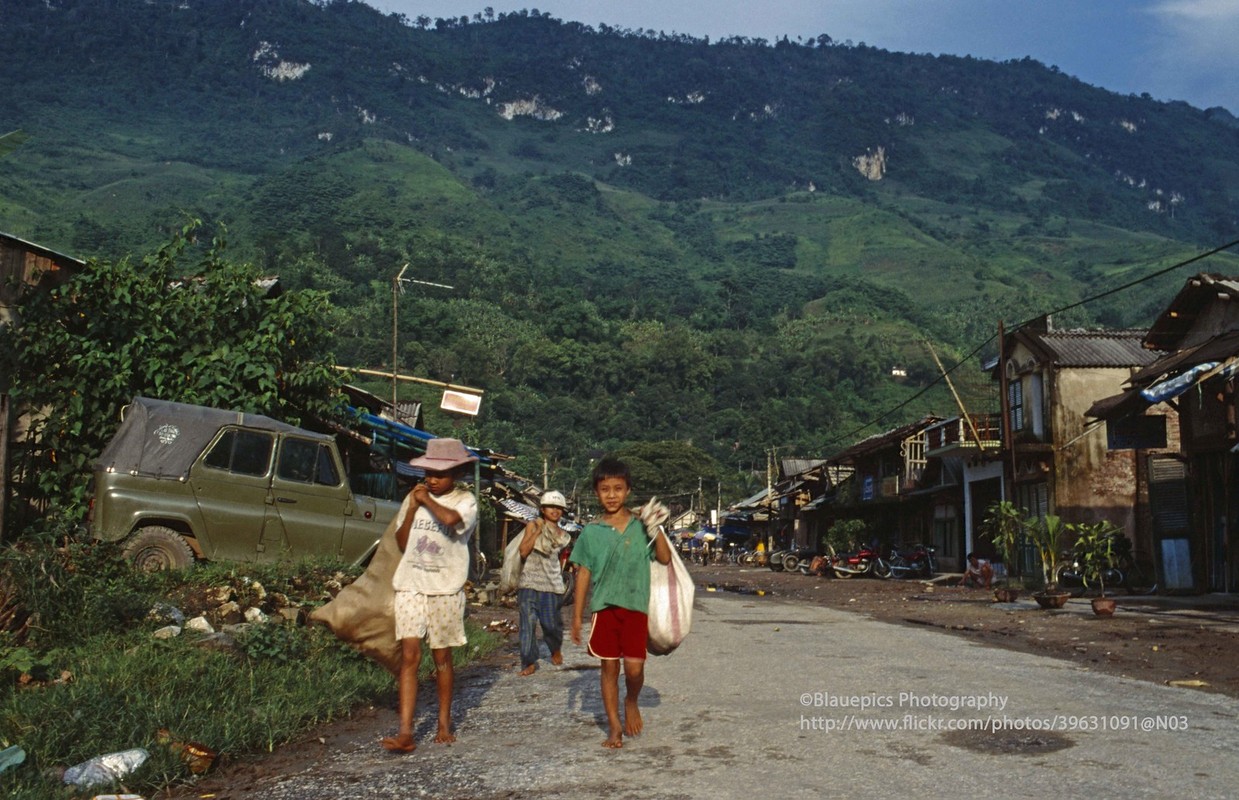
x: 23, y: 267
x: 1195, y: 502
x: 964, y: 463
x: 888, y: 488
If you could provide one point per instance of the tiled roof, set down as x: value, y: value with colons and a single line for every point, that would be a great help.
x: 1097, y: 348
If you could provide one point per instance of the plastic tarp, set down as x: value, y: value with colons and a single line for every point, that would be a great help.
x: 1173, y: 387
x: 407, y: 437
x: 160, y: 438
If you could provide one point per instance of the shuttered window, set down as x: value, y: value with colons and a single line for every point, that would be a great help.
x: 1015, y: 402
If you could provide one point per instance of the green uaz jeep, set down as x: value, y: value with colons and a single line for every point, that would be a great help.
x: 179, y: 482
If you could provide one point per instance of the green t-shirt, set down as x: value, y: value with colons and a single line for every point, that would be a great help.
x: 618, y: 564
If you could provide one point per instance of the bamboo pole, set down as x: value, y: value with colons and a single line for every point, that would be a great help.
x: 411, y: 378
x: 976, y: 436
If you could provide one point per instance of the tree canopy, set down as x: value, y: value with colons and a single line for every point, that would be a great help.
x: 184, y: 324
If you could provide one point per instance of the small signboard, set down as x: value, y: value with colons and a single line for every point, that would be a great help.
x: 461, y: 402
x: 1141, y: 432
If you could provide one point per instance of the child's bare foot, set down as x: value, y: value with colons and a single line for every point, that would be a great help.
x: 615, y: 741
x: 633, y: 724
x: 529, y: 670
x: 399, y: 744
x: 557, y: 658
x: 444, y: 736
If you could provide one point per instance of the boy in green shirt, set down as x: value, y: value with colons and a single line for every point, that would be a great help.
x: 614, y: 554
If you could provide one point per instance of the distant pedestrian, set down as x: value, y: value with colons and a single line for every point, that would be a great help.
x: 614, y: 553
x: 977, y: 572
x: 438, y: 517
x: 540, y: 590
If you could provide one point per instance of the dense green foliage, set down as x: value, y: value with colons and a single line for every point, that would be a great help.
x: 186, y: 324
x: 651, y: 238
x: 96, y: 680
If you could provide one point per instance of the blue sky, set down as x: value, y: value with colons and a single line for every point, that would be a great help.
x: 1171, y: 49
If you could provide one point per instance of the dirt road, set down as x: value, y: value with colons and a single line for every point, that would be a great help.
x: 727, y: 702
x: 1155, y: 638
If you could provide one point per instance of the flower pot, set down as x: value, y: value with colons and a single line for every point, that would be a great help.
x: 1104, y: 606
x: 1006, y: 595
x: 1051, y: 599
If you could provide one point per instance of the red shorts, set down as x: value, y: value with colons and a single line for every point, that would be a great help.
x: 619, y: 633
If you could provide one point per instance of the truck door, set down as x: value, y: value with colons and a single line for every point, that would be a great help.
x: 312, y: 497
x: 232, y: 484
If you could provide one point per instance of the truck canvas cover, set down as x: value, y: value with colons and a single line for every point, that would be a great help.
x: 161, y: 439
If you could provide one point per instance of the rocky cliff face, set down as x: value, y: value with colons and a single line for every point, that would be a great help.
x: 872, y: 164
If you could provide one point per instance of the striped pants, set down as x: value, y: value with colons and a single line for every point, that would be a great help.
x: 539, y: 608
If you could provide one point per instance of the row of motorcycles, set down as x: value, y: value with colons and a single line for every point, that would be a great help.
x: 907, y: 561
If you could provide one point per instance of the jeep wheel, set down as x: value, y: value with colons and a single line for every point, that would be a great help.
x: 156, y: 548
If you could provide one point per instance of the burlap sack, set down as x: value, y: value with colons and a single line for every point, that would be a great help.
x: 361, y: 614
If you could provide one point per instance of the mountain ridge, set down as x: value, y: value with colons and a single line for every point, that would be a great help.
x: 609, y: 202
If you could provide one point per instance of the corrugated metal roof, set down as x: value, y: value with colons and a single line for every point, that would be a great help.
x: 1097, y: 348
x: 880, y: 440
x: 799, y: 466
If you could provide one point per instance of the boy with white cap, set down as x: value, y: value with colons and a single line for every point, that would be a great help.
x: 540, y: 590
x: 433, y: 536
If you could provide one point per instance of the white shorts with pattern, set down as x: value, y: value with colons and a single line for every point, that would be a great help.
x: 440, y: 618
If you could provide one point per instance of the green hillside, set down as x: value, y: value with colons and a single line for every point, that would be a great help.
x: 730, y: 243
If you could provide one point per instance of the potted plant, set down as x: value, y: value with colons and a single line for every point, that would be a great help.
x: 1095, y: 549
x: 1002, y: 526
x: 1046, y: 535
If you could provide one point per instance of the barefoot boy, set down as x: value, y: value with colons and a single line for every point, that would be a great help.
x: 614, y: 554
x: 429, y: 582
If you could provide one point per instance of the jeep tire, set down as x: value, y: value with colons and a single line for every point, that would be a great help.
x: 156, y: 548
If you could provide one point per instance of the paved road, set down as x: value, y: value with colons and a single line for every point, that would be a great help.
x: 751, y: 706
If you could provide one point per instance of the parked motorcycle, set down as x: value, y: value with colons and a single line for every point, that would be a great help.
x: 775, y: 560
x: 818, y: 564
x: 1125, y: 571
x: 913, y: 561
x: 865, y: 561
x: 795, y: 556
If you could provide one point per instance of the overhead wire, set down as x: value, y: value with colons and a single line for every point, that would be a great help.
x: 898, y: 407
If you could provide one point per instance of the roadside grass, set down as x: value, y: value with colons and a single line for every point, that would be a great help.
x: 88, y: 678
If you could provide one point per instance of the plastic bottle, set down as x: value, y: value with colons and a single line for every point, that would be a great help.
x: 106, y: 768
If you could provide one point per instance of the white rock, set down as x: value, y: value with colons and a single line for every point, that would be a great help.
x: 167, y: 632
x: 200, y: 624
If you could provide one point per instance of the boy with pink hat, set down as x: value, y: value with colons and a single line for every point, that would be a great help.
x: 437, y: 520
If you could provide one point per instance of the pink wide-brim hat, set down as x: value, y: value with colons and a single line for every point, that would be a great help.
x: 442, y: 455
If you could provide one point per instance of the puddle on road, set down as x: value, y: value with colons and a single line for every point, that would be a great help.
x: 1016, y: 743
x: 732, y: 588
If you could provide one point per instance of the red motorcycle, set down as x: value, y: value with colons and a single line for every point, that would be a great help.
x: 913, y: 561
x: 865, y: 561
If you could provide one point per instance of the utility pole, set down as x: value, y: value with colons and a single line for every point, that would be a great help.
x: 397, y: 289
x: 769, y: 500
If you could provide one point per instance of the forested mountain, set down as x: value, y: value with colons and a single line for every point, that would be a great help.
x: 650, y: 237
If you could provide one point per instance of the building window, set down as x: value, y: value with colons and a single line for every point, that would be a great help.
x: 1015, y: 402
x: 946, y: 531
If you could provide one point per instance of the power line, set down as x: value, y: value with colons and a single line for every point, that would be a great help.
x: 1077, y: 304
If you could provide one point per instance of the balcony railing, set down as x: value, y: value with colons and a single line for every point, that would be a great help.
x: 956, y: 434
